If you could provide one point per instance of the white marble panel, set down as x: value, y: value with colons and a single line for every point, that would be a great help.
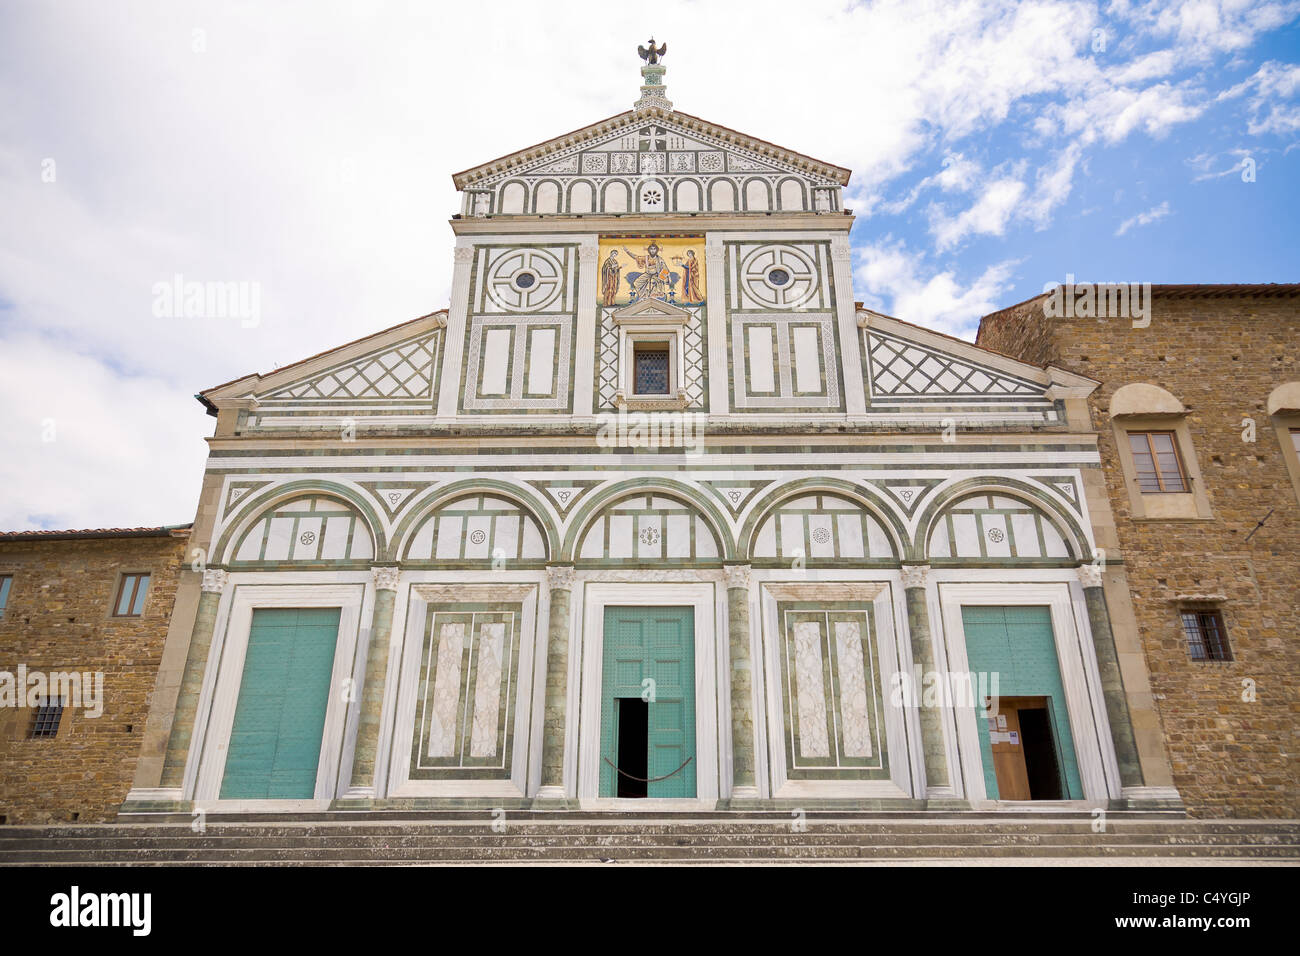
x: 810, y: 694
x: 487, y: 691
x: 446, y: 691
x: 854, y: 706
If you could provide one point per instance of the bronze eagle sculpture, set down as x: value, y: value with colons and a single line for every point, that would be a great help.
x: 652, y: 55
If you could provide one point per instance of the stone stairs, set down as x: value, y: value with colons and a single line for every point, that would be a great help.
x: 593, y: 838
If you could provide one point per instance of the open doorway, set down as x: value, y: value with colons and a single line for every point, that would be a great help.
x: 1025, y: 751
x: 633, y: 746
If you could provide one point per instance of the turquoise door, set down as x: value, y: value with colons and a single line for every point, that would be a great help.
x: 1018, y: 645
x: 650, y: 655
x: 275, y: 742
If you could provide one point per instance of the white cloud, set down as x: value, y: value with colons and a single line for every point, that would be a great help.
x: 987, y: 216
x: 89, y: 447
x: 1270, y: 84
x: 1144, y: 218
x: 899, y: 283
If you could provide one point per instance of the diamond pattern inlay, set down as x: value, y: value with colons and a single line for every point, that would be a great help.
x: 404, y: 371
x: 900, y: 368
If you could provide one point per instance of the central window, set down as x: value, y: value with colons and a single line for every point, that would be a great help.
x: 650, y: 369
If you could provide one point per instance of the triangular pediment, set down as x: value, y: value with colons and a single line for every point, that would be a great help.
x: 397, y: 365
x: 651, y: 142
x: 652, y: 311
x: 908, y: 363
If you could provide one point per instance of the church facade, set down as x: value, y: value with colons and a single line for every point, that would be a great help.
x: 653, y: 511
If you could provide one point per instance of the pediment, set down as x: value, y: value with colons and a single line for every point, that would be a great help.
x: 397, y: 365
x: 651, y: 142
x: 908, y: 363
x: 651, y: 312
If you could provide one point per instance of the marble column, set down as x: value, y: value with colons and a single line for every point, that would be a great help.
x: 196, y: 662
x: 742, y: 683
x: 918, y: 627
x: 557, y: 684
x: 373, y: 683
x: 1112, y: 682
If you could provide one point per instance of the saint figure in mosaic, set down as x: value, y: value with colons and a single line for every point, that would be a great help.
x: 609, y: 271
x: 692, y: 291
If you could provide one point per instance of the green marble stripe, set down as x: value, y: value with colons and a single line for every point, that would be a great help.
x: 1112, y: 685
x: 372, y: 689
x: 918, y: 626
x: 187, y: 699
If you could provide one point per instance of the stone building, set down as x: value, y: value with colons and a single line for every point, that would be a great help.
x: 83, y: 620
x: 653, y: 510
x: 1198, y: 421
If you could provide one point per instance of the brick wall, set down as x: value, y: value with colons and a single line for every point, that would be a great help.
x: 58, y: 619
x: 1221, y: 357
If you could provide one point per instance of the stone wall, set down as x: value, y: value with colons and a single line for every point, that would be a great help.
x: 1221, y: 357
x: 58, y: 618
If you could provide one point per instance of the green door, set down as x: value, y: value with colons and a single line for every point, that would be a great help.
x: 275, y: 742
x: 1018, y: 645
x: 650, y: 655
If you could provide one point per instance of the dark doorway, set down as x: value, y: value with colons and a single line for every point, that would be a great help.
x: 633, y: 745
x: 1041, y: 765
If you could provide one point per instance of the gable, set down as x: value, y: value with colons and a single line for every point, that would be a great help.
x: 404, y: 370
x: 906, y: 363
x: 653, y: 160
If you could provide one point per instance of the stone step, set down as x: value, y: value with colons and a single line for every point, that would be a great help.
x: 483, y: 824
x: 510, y: 838
x: 638, y: 854
x: 592, y: 837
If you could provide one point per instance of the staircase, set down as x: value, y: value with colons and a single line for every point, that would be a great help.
x: 586, y: 838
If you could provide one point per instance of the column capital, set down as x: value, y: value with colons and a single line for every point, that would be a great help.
x: 588, y: 253
x: 214, y: 580
x: 737, y: 575
x: 1089, y: 575
x: 840, y: 250
x: 385, y: 576
x: 463, y: 253
x: 561, y: 577
x: 914, y: 575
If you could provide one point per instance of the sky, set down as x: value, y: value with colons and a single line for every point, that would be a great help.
x: 306, y: 150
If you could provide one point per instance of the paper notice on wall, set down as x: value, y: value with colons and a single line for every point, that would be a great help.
x: 1014, y: 738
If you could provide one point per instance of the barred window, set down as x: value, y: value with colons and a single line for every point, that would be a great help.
x: 45, y: 723
x: 1155, y: 456
x: 1207, y: 639
x: 651, y: 370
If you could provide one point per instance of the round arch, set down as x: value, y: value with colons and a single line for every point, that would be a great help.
x: 1064, y: 522
x: 270, y: 498
x: 871, y: 502
x: 446, y: 494
x: 683, y: 493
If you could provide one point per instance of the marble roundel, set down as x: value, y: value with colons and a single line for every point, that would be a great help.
x: 779, y: 276
x: 525, y: 280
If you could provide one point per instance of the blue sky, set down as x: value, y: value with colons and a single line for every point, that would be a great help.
x: 308, y: 147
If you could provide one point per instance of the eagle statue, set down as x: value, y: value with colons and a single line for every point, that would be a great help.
x: 652, y: 55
